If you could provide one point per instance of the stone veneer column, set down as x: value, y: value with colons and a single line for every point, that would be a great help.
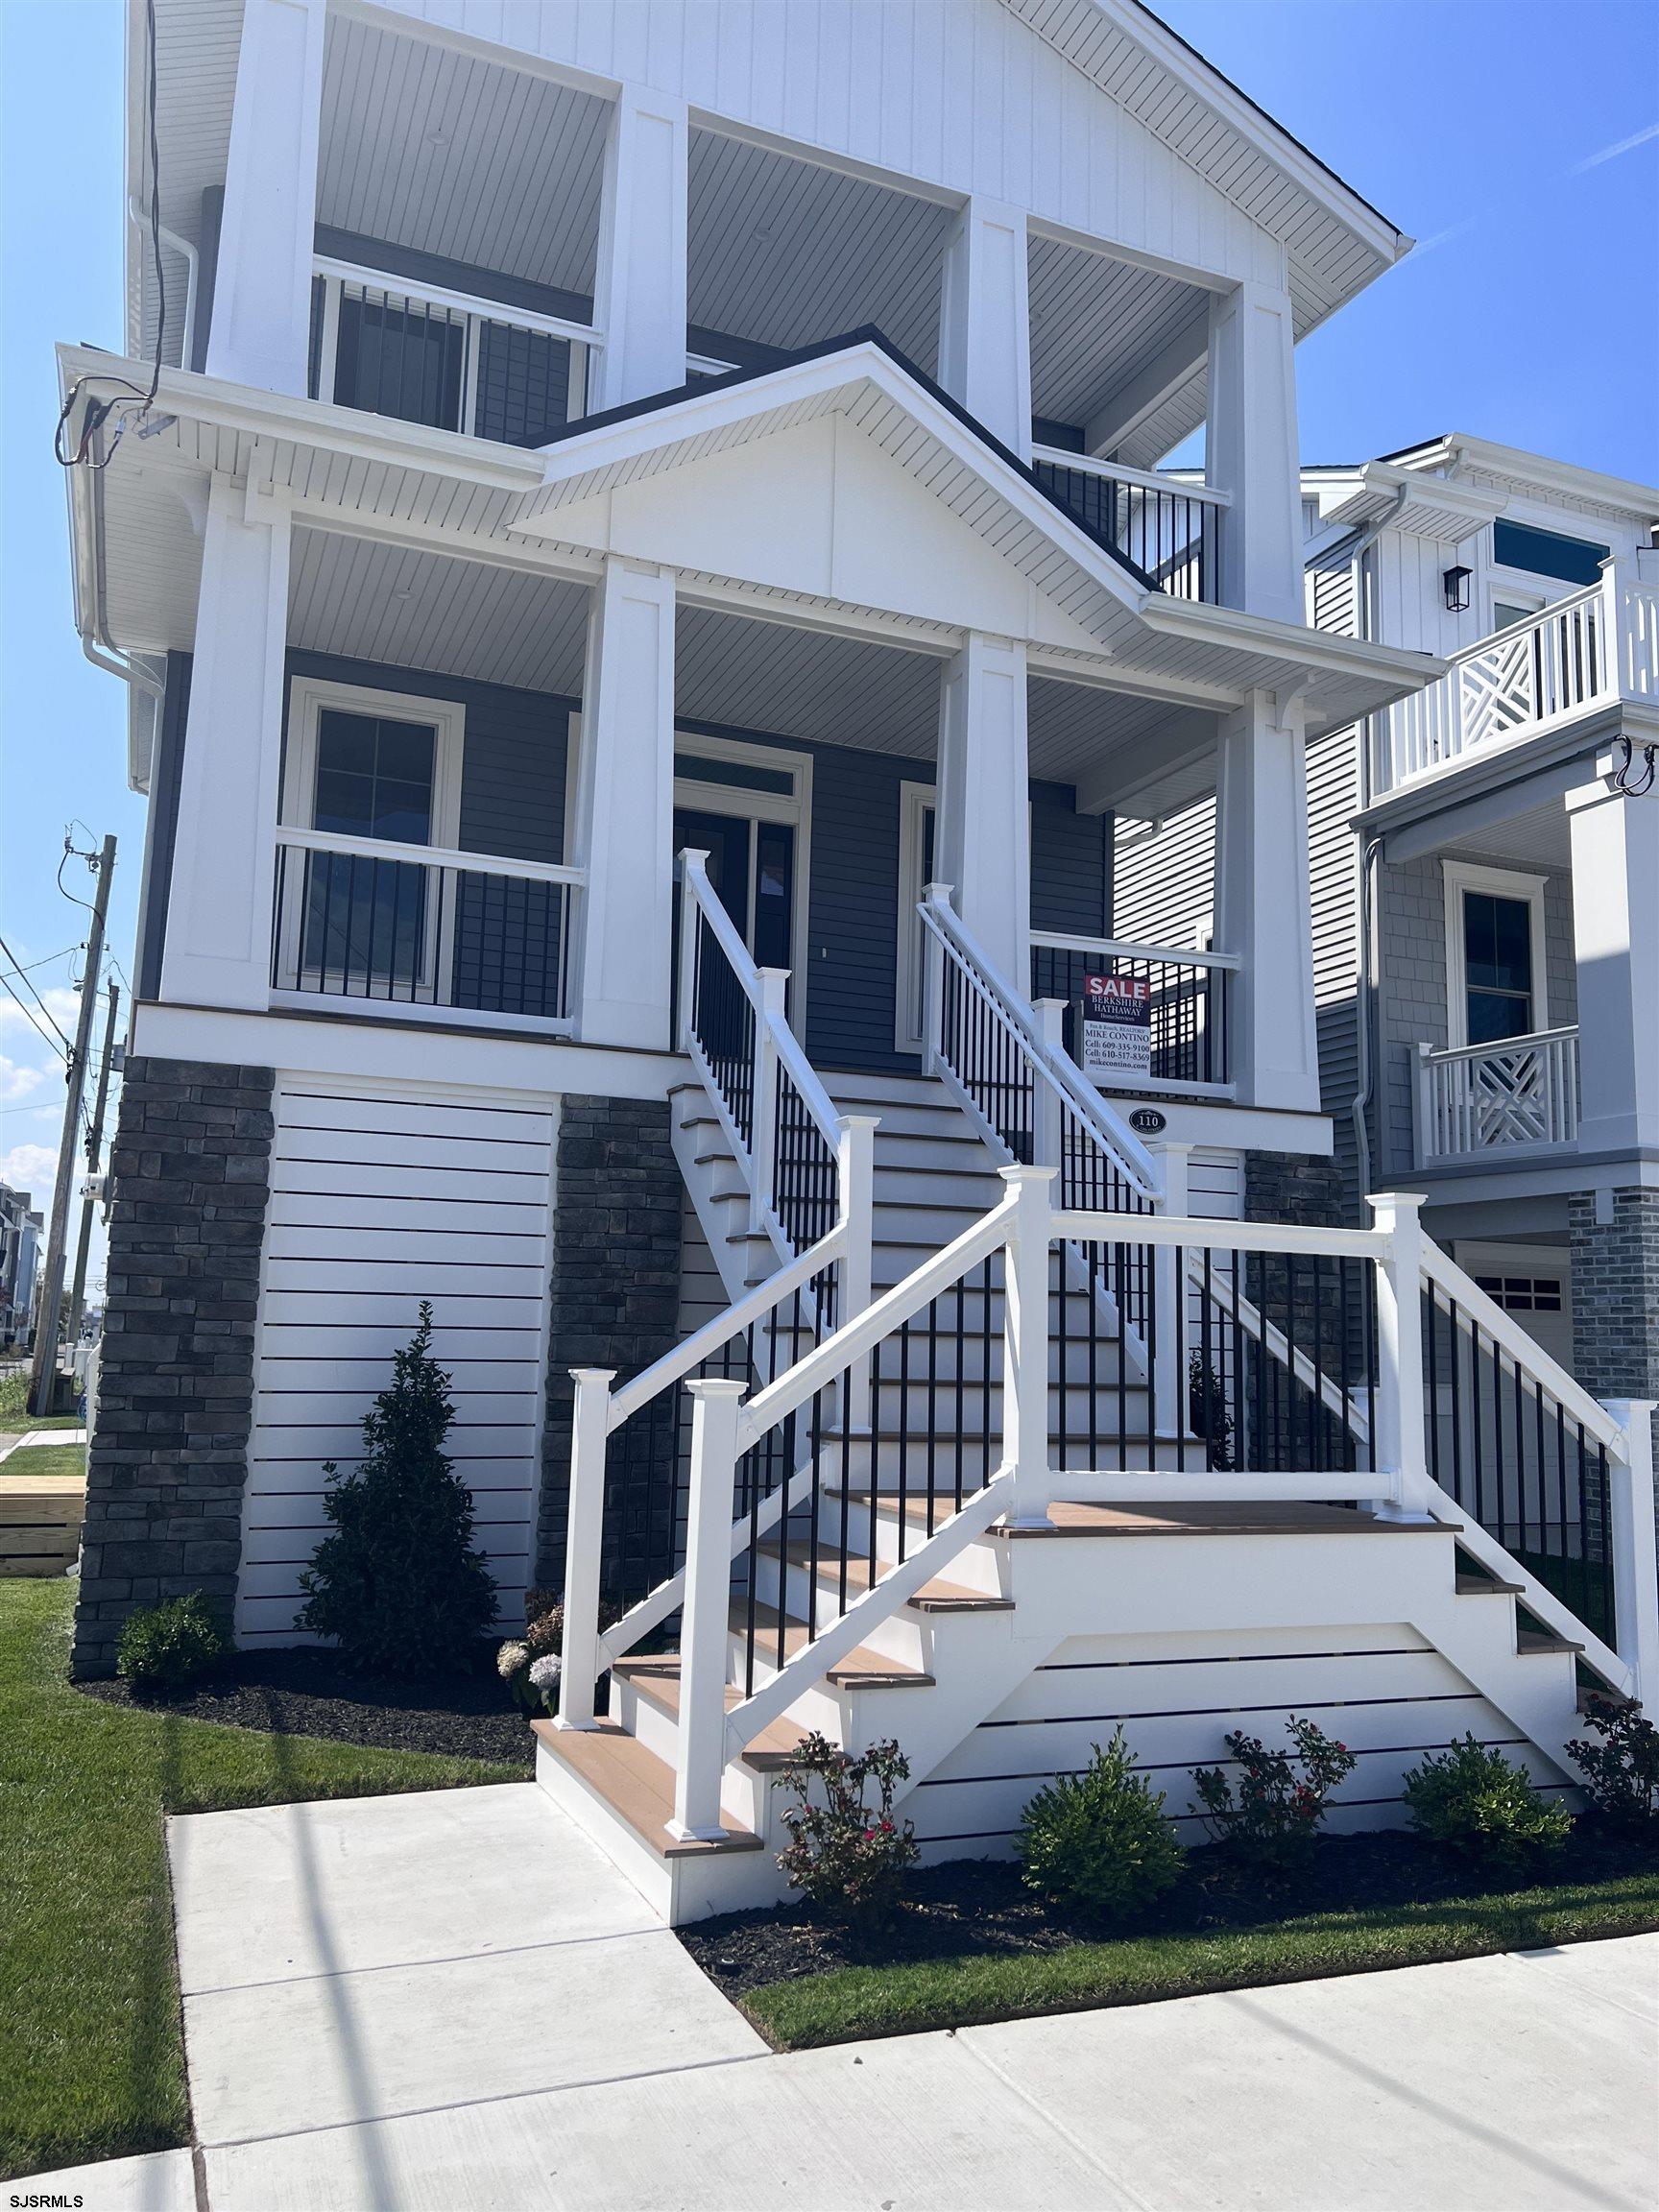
x: 1616, y: 1293
x: 169, y: 1456
x: 615, y: 1298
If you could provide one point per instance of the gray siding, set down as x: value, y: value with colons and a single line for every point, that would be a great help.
x: 1164, y: 886
x: 1333, y: 797
x: 166, y: 770
x: 1412, y: 991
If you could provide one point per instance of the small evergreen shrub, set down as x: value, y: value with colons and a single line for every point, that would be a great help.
x: 1097, y: 1841
x: 1474, y: 1800
x: 400, y: 1586
x: 171, y: 1646
x: 843, y: 1854
x: 1272, y: 1816
x: 1207, y: 1411
x: 1622, y: 1772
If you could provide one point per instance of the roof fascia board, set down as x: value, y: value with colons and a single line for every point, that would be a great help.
x: 257, y: 414
x: 1539, y: 468
x: 1318, y: 651
x: 1252, y: 123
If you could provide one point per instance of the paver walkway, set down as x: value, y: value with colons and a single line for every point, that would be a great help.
x: 452, y: 2001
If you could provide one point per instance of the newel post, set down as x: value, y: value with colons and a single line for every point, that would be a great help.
x: 1635, y: 1566
x: 1399, y: 1447
x: 705, y: 1614
x: 1169, y: 1405
x: 855, y: 1171
x: 763, y: 1096
x: 583, y: 1545
x: 935, y: 896
x: 1048, y: 1126
x: 1025, y: 1344
x: 685, y: 982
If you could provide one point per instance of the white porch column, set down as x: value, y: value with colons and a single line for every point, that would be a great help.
x: 639, y: 293
x: 261, y: 325
x: 1616, y: 942
x: 1262, y: 910
x: 985, y: 321
x: 1250, y: 450
x: 624, y: 828
x: 218, y: 943
x: 983, y: 845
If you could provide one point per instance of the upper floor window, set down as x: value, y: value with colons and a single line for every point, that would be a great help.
x: 1547, y: 553
x: 1495, y: 955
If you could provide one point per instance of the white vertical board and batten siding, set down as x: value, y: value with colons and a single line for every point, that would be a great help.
x: 957, y: 94
x: 382, y: 1195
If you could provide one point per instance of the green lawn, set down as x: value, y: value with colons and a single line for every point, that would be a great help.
x: 858, y: 2001
x: 16, y: 1420
x: 45, y: 1460
x: 91, y: 2056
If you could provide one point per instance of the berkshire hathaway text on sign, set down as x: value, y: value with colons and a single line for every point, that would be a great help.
x: 1116, y: 1026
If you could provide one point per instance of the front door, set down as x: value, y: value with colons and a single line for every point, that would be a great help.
x: 752, y: 869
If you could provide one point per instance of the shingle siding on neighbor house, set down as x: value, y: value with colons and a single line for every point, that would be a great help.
x: 168, y: 1460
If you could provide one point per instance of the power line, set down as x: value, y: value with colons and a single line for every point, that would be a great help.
x: 22, y: 976
x: 59, y: 1044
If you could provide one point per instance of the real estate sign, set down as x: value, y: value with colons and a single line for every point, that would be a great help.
x: 1114, y: 1024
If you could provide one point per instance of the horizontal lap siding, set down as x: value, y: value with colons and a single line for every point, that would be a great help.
x: 1383, y: 1691
x: 381, y: 1197
x: 1070, y: 864
x: 1164, y: 885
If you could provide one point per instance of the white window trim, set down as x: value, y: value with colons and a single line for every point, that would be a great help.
x: 309, y: 695
x: 914, y: 801
x: 792, y: 808
x: 1498, y: 883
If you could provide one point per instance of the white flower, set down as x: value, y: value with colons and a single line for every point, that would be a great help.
x: 510, y: 1659
x: 545, y: 1672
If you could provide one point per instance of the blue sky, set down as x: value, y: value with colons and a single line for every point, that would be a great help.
x: 1517, y: 140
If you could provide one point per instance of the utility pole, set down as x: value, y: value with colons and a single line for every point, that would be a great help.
x: 43, y: 1381
x: 94, y: 1148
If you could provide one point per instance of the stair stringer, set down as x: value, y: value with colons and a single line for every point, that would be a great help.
x: 703, y: 1182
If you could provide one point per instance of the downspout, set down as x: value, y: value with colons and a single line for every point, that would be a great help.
x: 1366, y: 869
x: 86, y: 487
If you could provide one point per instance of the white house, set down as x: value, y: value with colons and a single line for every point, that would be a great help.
x: 650, y: 612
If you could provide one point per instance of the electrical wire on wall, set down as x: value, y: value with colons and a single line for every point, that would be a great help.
x: 129, y: 403
x: 1634, y: 783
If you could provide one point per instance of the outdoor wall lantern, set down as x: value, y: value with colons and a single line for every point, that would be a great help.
x: 1457, y: 582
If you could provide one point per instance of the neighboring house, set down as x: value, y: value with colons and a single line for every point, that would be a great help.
x: 20, y: 1233
x: 655, y: 639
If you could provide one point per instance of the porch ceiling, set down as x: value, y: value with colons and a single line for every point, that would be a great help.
x: 1096, y: 323
x: 787, y: 251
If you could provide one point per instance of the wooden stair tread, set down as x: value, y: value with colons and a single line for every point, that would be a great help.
x: 859, y: 1666
x: 1531, y: 1639
x: 1482, y: 1585
x: 635, y: 1784
x: 658, y: 1678
x: 1245, y: 1518
x: 937, y: 1596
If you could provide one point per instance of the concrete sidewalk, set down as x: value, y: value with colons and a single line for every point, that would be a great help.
x: 451, y: 2002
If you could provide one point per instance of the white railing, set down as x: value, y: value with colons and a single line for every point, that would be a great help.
x: 1006, y: 1063
x: 464, y: 938
x: 424, y: 353
x: 805, y: 1167
x: 1476, y: 1100
x: 1584, y: 653
x: 1169, y: 528
x: 1416, y: 1310
x: 1187, y: 1044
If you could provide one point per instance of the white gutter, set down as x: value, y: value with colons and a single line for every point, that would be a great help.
x: 193, y: 267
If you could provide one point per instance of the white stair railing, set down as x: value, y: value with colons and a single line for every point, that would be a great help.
x: 1013, y: 1076
x: 917, y: 1410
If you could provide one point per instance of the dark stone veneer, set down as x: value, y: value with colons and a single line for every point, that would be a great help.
x: 191, y: 1168
x: 614, y: 1299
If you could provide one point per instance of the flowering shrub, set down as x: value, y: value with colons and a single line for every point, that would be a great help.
x: 1622, y: 1773
x: 1474, y: 1800
x: 1274, y: 1814
x: 513, y: 1664
x: 544, y: 1678
x: 1099, y: 1840
x: 842, y: 1853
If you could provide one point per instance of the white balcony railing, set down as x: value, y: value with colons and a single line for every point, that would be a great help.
x: 1485, y: 1099
x: 466, y: 939
x: 422, y: 353
x: 1584, y: 653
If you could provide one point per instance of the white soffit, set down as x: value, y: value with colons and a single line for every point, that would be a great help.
x: 1095, y: 322
x: 787, y: 251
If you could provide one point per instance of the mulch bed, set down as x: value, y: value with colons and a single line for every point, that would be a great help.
x: 979, y: 1907
x: 308, y: 1693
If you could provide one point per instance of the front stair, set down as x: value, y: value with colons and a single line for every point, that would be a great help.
x: 1180, y: 1620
